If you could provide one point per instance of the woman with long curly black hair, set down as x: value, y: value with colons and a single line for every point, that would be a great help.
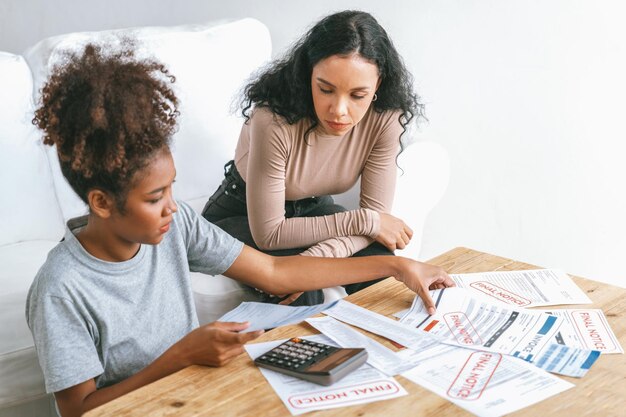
x: 329, y: 113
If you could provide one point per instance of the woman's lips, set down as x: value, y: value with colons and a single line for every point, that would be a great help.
x: 337, y: 126
x: 165, y: 228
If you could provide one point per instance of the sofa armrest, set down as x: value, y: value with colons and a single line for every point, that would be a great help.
x: 425, y: 179
x: 422, y: 180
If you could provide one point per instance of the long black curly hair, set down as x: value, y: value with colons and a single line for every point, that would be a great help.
x: 108, y: 114
x: 285, y: 85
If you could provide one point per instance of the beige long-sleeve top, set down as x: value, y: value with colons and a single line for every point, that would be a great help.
x: 278, y: 164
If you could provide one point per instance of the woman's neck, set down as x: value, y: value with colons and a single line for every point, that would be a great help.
x: 99, y: 241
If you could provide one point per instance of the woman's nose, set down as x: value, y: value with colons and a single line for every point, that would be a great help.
x: 171, y: 207
x: 340, y: 107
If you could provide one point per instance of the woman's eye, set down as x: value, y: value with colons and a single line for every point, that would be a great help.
x: 325, y: 91
x: 358, y: 97
x: 154, y: 201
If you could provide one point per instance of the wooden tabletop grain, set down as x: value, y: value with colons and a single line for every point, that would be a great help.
x: 239, y: 389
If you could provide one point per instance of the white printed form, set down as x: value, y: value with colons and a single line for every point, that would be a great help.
x: 401, y: 333
x: 268, y: 316
x: 484, y: 383
x: 566, y: 360
x: 586, y: 329
x: 365, y: 385
x: 379, y: 356
x: 530, y: 288
x: 464, y: 320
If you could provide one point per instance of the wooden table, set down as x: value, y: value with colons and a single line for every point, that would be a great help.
x: 239, y: 389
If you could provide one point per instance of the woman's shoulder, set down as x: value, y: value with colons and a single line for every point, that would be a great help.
x: 382, y: 122
x: 58, y: 273
x: 263, y: 116
x: 273, y: 128
x: 384, y: 117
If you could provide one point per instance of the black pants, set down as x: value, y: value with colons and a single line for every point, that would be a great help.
x: 227, y: 209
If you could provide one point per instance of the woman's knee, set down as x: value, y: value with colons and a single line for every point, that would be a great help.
x: 375, y: 249
x: 325, y: 210
x: 237, y: 227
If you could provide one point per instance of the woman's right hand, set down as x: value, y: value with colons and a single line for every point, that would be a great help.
x: 215, y: 344
x: 421, y: 277
x: 394, y: 233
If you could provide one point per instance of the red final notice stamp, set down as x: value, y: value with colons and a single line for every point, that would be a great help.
x: 594, y: 331
x: 344, y: 395
x: 462, y: 329
x: 475, y: 375
x: 500, y: 293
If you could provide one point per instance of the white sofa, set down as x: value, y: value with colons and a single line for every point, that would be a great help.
x: 211, y: 63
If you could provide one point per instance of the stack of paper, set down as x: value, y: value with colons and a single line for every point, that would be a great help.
x: 482, y: 350
x: 463, y: 320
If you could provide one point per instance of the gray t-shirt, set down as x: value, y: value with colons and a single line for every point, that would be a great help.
x: 108, y: 320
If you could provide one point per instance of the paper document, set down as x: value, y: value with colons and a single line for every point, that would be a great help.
x: 531, y: 288
x: 379, y: 356
x: 566, y: 360
x: 365, y: 385
x: 464, y: 320
x: 401, y: 333
x: 586, y: 329
x: 268, y: 316
x: 470, y: 322
x: 484, y: 383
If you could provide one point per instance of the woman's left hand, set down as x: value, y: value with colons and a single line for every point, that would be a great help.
x: 394, y: 233
x: 290, y: 298
x: 421, y: 277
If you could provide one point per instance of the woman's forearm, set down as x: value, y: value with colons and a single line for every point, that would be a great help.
x: 338, y: 247
x: 271, y: 232
x: 304, y: 273
x: 166, y: 364
x: 80, y: 398
x: 291, y: 274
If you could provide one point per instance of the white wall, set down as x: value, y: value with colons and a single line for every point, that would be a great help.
x: 527, y: 97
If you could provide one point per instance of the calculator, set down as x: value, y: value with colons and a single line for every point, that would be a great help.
x: 312, y: 361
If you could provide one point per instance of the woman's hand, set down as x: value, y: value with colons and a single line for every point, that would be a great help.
x: 215, y: 344
x: 394, y: 233
x: 421, y: 277
x: 291, y: 298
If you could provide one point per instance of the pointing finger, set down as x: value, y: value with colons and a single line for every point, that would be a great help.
x: 427, y: 300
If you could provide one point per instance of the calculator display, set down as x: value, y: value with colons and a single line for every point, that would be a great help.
x: 332, y: 361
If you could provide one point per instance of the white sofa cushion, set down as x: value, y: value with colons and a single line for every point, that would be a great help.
x: 30, y: 209
x: 21, y: 379
x: 210, y: 63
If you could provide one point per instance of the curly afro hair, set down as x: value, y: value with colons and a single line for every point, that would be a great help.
x: 108, y: 114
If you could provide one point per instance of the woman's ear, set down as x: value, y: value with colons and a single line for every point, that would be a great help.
x: 100, y: 203
x: 378, y: 83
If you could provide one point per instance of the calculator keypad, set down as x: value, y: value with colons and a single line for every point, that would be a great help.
x: 297, y: 354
